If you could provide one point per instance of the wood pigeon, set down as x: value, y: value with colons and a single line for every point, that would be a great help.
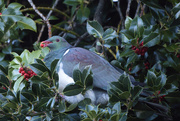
x: 103, y: 72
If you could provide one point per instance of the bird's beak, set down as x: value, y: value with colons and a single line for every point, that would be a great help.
x: 45, y: 43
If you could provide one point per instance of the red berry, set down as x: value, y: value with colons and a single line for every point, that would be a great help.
x: 130, y: 69
x: 141, y: 44
x: 4, y: 88
x: 26, y: 75
x: 42, y: 45
x: 0, y: 14
x: 137, y: 51
x: 21, y: 69
x: 23, y: 72
x: 30, y: 72
x: 133, y: 47
x: 147, y: 67
x: 31, y: 75
x: 26, y: 79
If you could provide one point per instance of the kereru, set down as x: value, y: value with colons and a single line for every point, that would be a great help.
x: 103, y: 71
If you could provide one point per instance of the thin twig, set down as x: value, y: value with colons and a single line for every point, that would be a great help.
x: 81, y: 38
x: 42, y: 16
x: 118, y: 8
x: 46, y: 8
x: 128, y: 7
x: 142, y: 10
x: 138, y: 7
x: 62, y: 29
x: 47, y: 17
x: 50, y: 12
x: 40, y: 33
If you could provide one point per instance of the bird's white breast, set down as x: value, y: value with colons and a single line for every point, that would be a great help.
x: 64, y: 79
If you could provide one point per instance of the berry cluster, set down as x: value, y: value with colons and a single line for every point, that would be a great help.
x: 140, y: 50
x: 147, y: 65
x: 27, y: 72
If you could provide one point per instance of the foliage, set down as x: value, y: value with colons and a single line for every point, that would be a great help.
x: 144, y: 44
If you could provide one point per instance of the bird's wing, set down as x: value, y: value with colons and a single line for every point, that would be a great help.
x: 103, y: 71
x: 50, y: 57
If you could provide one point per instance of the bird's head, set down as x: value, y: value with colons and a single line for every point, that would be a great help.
x: 55, y: 43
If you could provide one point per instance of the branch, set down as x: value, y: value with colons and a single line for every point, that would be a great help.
x: 138, y: 7
x: 59, y: 28
x: 49, y: 14
x: 99, y: 11
x: 142, y: 10
x: 128, y: 7
x: 81, y: 38
x: 120, y: 13
x: 46, y: 8
x: 42, y: 16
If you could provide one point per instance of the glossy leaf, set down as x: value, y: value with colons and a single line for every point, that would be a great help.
x: 151, y: 78
x: 151, y: 40
x: 95, y: 29
x: 109, y: 34
x: 4, y: 80
x: 128, y: 22
x: 17, y: 83
x: 72, y: 89
x: 137, y: 27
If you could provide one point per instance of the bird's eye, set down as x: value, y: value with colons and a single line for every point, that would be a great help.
x: 57, y: 40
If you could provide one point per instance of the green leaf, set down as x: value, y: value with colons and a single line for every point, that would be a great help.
x: 109, y: 34
x: 71, y: 107
x: 125, y: 81
x: 151, y: 78
x: 71, y: 2
x: 136, y: 92
x: 38, y: 80
x: 132, y: 59
x: 82, y: 104
x: 127, y: 52
x: 4, y: 80
x: 62, y: 107
x: 15, y: 6
x: 38, y: 68
x: 72, y: 89
x: 151, y: 40
x: 162, y: 79
x: 137, y: 27
x: 17, y: 83
x: 7, y: 50
x: 42, y: 103
x: 53, y: 66
x: 77, y: 74
x: 27, y: 23
x: 128, y: 22
x: 124, y: 95
x: 95, y: 29
x: 83, y: 14
x: 117, y: 107
x: 2, y: 56
x: 4, y: 70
